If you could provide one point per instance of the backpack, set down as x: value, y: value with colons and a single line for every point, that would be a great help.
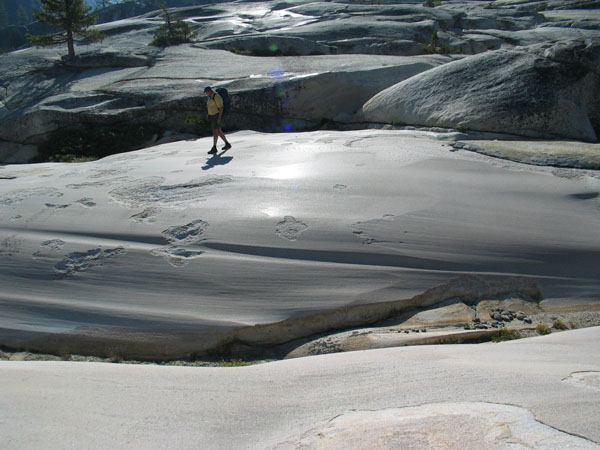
x: 226, y: 100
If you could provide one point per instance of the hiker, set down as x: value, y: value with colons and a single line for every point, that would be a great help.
x: 214, y: 116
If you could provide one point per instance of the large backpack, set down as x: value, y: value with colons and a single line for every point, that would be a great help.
x: 226, y: 100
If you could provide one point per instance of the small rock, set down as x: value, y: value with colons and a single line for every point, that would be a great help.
x: 477, y: 320
x: 527, y: 320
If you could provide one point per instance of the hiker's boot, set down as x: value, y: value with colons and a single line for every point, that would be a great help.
x: 213, y: 151
x: 227, y: 146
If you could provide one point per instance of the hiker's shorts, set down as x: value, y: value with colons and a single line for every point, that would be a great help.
x: 214, y: 122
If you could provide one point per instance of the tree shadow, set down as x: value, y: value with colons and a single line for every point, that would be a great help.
x: 217, y: 160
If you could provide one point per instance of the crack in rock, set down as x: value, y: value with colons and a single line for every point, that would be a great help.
x: 290, y: 228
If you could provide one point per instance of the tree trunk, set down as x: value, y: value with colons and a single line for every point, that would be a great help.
x: 70, y: 44
x: 69, y: 27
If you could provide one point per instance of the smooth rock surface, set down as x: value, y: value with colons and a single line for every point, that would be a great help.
x: 170, y: 245
x: 543, y: 391
x: 539, y: 91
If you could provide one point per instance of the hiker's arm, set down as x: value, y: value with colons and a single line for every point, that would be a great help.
x: 220, y: 113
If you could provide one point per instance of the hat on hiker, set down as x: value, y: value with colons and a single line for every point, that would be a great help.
x: 207, y: 88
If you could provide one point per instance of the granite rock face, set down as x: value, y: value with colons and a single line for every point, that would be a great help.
x: 542, y: 90
x: 303, y: 65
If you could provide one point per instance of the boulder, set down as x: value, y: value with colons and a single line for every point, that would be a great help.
x: 539, y: 91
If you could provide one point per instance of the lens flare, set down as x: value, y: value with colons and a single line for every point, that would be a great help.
x: 277, y: 73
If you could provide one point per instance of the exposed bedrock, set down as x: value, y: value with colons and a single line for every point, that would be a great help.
x: 160, y: 100
x: 539, y: 91
x: 532, y: 70
x: 265, y: 339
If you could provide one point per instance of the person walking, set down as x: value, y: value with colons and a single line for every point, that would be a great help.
x: 214, y: 105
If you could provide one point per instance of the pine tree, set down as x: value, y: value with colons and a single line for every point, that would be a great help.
x: 72, y: 17
x: 172, y: 33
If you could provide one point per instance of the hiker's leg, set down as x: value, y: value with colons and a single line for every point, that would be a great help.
x: 222, y: 135
x: 216, y: 132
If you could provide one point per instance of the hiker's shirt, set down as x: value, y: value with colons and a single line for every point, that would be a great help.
x: 213, y: 104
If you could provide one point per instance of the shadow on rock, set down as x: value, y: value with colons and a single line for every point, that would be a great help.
x: 217, y: 160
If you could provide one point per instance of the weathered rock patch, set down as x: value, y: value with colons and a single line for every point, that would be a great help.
x: 481, y: 425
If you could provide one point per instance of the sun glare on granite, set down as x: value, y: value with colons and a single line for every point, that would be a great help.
x: 272, y: 211
x: 286, y: 172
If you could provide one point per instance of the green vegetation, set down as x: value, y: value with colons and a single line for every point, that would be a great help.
x: 559, y: 325
x: 436, y: 46
x: 195, y: 119
x: 72, y: 17
x: 172, y: 32
x: 542, y: 329
x: 93, y: 143
x: 235, y: 363
x: 504, y: 334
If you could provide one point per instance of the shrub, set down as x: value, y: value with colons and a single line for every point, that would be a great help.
x: 559, y: 325
x: 172, y: 33
x: 235, y: 363
x: 196, y: 119
x: 504, y: 334
x: 437, y: 46
x: 542, y: 329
